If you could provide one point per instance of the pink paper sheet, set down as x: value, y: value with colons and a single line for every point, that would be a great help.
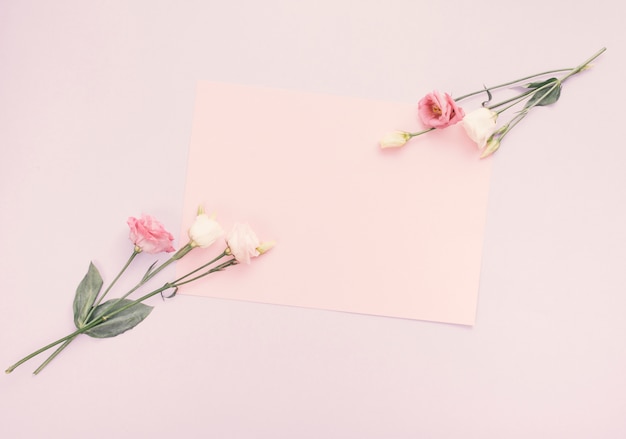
x: 393, y: 233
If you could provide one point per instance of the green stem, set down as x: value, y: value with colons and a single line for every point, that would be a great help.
x: 136, y: 251
x: 45, y: 348
x: 515, y: 100
x: 179, y: 254
x: 68, y: 338
x: 177, y: 283
x: 54, y: 354
x: 584, y: 64
x: 220, y: 256
x: 552, y: 86
x: 506, y: 84
x: 419, y: 133
x: 85, y: 328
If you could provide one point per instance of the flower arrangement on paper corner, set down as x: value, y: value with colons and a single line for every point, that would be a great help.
x: 439, y: 110
x: 110, y: 318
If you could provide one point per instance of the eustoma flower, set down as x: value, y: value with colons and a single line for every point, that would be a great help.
x: 205, y: 230
x: 479, y: 125
x: 244, y: 244
x: 149, y: 235
x: 439, y: 110
x: 116, y: 316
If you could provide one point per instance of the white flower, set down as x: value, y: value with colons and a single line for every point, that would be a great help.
x: 243, y: 243
x: 479, y: 125
x: 204, y: 231
x: 394, y: 139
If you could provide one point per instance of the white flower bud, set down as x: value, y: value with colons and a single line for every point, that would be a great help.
x: 204, y: 231
x: 394, y: 139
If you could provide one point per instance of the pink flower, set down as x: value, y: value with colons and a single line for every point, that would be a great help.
x: 439, y: 111
x: 243, y: 243
x: 149, y: 235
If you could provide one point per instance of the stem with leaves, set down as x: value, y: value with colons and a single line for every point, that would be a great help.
x: 136, y: 251
x: 107, y: 311
x: 539, y: 94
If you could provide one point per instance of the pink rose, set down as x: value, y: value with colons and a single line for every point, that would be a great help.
x: 439, y: 111
x: 149, y: 235
x: 243, y: 243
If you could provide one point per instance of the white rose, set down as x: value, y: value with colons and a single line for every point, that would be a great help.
x: 204, y: 231
x: 480, y: 125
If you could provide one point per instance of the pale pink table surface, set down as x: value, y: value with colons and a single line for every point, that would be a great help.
x: 96, y: 109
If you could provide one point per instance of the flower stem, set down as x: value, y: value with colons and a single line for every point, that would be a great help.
x: 220, y: 267
x: 85, y: 328
x: 220, y: 256
x: 551, y: 86
x: 419, y: 133
x: 54, y: 354
x: 179, y: 254
x: 69, y: 340
x: 91, y: 324
x: 584, y: 65
x: 571, y: 72
x: 515, y: 100
x: 135, y: 253
x: 506, y: 84
x: 45, y: 348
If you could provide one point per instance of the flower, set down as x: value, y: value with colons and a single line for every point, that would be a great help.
x: 480, y: 125
x: 243, y: 243
x: 265, y: 247
x: 439, y: 111
x: 98, y: 319
x: 394, y: 139
x: 149, y: 235
x: 492, y: 146
x: 205, y: 230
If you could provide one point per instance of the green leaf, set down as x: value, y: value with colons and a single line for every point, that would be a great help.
x: 120, y: 322
x: 540, y: 83
x: 547, y: 95
x: 86, y: 294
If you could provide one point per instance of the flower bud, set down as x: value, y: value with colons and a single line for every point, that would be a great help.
x: 492, y: 146
x: 394, y: 139
x: 204, y: 231
x: 265, y: 247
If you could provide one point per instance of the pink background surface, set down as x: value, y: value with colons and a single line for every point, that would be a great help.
x: 96, y: 110
x: 395, y: 233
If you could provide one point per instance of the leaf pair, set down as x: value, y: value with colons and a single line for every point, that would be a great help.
x: 546, y: 94
x: 85, y: 298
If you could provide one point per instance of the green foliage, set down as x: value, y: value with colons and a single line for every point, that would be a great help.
x: 547, y: 92
x: 86, y: 294
x: 120, y: 322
